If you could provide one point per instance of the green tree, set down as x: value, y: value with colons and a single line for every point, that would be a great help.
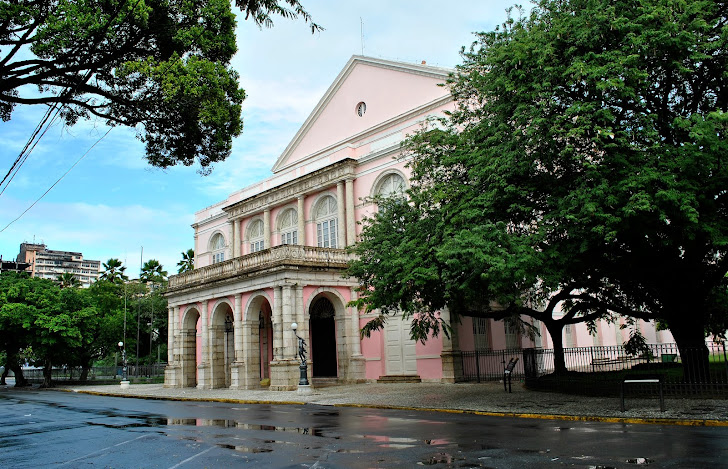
x: 114, y: 271
x: 585, y: 160
x: 152, y: 272
x: 188, y: 261
x: 36, y: 314
x: 162, y: 67
x: 68, y: 280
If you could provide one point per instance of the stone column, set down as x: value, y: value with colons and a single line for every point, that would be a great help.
x: 172, y: 372
x: 231, y: 237
x: 356, y: 340
x: 276, y: 322
x: 203, y: 369
x: 237, y: 368
x: 266, y: 229
x: 236, y: 237
x: 170, y: 336
x: 356, y: 372
x: 341, y: 215
x: 301, y: 222
x: 350, y: 219
x: 452, y: 363
x: 288, y: 336
x: 238, y: 327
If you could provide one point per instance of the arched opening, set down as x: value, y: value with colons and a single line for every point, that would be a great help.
x: 222, y: 345
x: 265, y: 341
x: 323, y: 339
x: 189, y: 340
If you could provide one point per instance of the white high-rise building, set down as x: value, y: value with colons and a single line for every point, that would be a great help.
x: 47, y: 263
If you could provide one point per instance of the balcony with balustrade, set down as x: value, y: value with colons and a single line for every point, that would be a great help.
x: 261, y: 262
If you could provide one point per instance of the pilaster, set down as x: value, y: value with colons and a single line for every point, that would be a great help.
x: 266, y: 229
x: 350, y: 219
x: 301, y: 221
x: 341, y: 216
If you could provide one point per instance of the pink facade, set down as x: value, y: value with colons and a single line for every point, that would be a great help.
x: 273, y: 254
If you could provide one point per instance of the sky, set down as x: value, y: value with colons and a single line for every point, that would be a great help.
x: 112, y: 204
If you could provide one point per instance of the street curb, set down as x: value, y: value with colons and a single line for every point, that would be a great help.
x: 572, y: 418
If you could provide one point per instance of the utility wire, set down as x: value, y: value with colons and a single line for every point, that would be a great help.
x: 58, y: 180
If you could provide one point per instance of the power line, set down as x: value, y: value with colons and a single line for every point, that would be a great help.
x: 58, y: 180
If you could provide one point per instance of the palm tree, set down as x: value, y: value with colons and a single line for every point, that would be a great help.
x: 114, y: 271
x: 152, y: 272
x: 67, y: 280
x: 188, y: 261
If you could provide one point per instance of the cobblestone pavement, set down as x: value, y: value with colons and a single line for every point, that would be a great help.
x: 468, y: 397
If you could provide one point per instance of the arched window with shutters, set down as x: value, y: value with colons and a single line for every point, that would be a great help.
x: 256, y: 236
x: 288, y: 226
x: 326, y: 222
x: 217, y: 248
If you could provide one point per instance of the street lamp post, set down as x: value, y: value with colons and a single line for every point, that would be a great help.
x: 303, y: 367
x: 124, y: 381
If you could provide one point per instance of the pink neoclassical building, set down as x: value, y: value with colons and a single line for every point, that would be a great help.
x: 273, y: 254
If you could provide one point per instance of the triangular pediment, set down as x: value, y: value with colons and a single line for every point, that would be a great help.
x: 388, y: 90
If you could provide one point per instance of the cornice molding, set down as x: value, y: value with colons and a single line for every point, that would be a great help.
x: 289, y: 191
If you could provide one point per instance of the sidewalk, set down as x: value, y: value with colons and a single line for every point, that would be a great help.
x: 483, y: 398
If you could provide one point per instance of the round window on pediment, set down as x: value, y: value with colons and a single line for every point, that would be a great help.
x: 361, y: 108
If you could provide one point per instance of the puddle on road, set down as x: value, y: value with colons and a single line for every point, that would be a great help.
x: 641, y: 461
x: 245, y: 449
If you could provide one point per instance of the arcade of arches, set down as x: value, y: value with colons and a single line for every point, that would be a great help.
x: 245, y: 340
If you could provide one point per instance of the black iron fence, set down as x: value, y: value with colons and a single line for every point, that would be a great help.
x: 600, y: 370
x: 35, y: 375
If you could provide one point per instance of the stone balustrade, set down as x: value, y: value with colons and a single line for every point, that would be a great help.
x: 287, y: 254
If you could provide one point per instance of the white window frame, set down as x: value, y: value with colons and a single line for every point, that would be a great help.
x: 289, y: 232
x: 327, y: 223
x: 217, y: 249
x: 385, y: 180
x: 481, y: 334
x: 256, y: 239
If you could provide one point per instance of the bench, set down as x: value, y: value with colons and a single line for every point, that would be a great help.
x: 643, y: 379
x: 507, y: 373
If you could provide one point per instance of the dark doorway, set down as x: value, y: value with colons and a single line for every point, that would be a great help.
x: 323, y: 339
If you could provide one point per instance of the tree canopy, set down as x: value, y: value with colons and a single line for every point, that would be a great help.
x: 585, y: 162
x: 161, y: 67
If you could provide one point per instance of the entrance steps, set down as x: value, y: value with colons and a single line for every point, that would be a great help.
x: 399, y: 379
x: 324, y: 382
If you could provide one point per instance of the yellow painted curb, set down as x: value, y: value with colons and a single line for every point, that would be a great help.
x: 573, y: 418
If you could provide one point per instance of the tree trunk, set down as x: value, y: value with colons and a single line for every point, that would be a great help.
x: 14, y: 366
x: 555, y: 328
x: 84, y: 372
x: 47, y: 374
x: 689, y: 334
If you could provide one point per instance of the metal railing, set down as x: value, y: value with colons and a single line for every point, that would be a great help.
x: 601, y: 369
x: 35, y: 375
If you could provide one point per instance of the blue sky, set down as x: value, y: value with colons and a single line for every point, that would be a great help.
x: 112, y: 203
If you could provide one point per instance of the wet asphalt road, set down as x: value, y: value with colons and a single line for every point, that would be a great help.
x: 57, y: 429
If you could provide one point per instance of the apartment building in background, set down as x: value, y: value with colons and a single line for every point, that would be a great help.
x: 47, y: 263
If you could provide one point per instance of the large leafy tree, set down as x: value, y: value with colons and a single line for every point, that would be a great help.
x: 160, y: 66
x: 585, y: 160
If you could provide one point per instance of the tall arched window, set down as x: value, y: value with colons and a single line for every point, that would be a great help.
x: 217, y: 246
x: 288, y: 227
x: 391, y: 185
x: 326, y: 222
x: 255, y: 236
